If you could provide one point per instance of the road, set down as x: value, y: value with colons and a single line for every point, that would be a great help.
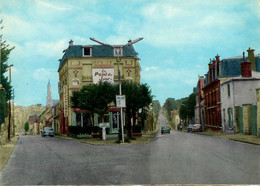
x: 176, y: 158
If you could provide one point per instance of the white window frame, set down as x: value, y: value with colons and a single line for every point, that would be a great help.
x: 90, y: 47
x: 120, y: 48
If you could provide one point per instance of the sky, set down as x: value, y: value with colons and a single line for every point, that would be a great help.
x: 180, y: 37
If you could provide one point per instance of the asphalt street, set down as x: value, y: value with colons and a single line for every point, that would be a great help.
x: 176, y: 158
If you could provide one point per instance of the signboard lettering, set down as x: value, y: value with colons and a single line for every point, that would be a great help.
x: 103, y: 75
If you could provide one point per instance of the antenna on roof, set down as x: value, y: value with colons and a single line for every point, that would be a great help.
x: 93, y: 39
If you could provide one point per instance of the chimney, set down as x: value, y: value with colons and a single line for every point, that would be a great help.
x: 217, y: 58
x: 246, y: 68
x: 251, y: 58
x: 71, y: 42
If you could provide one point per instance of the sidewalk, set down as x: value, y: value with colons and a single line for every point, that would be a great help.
x: 255, y: 140
x: 6, y: 151
x: 144, y: 139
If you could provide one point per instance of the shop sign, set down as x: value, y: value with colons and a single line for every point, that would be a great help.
x: 103, y: 75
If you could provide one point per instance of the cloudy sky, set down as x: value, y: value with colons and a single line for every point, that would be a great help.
x: 180, y: 37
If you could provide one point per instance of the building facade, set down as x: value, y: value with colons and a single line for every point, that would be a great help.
x: 199, y: 109
x: 85, y: 64
x: 212, y: 106
x: 221, y: 71
x: 238, y: 94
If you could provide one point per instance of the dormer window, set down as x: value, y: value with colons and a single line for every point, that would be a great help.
x: 118, y: 51
x: 87, y: 51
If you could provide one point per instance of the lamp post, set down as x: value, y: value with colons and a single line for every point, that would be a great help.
x: 117, y: 53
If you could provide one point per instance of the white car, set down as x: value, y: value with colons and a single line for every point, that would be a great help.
x: 47, y: 131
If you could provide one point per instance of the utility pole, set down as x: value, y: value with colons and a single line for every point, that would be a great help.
x: 117, y: 51
x: 9, y: 123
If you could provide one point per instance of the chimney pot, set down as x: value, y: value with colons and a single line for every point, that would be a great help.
x: 71, y: 42
x: 251, y: 58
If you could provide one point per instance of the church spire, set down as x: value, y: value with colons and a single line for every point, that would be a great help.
x: 49, y: 102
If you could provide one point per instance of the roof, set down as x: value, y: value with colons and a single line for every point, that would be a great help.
x: 255, y: 77
x: 231, y: 66
x: 33, y: 119
x: 75, y: 51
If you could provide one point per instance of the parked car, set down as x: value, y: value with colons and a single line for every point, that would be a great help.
x: 165, y: 129
x: 197, y: 128
x: 190, y: 127
x: 47, y: 131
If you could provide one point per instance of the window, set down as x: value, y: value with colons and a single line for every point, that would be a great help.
x: 118, y: 51
x: 78, y: 119
x: 87, y: 51
x: 228, y: 89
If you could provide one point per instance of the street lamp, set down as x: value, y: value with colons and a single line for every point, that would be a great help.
x: 117, y: 51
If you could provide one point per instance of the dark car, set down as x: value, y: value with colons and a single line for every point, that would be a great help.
x: 190, y: 127
x: 165, y: 129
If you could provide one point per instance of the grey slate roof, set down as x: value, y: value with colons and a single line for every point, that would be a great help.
x: 231, y: 66
x: 97, y: 51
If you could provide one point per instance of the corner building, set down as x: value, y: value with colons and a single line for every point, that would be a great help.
x: 85, y: 64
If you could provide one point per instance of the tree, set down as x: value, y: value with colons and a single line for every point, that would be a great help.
x: 26, y: 126
x: 95, y: 98
x: 156, y: 107
x: 187, y: 107
x: 170, y: 105
x: 5, y: 88
x: 138, y: 96
x: 191, y: 105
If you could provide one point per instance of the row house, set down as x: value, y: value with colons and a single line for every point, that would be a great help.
x: 219, y: 88
x: 85, y: 64
x: 211, y: 91
x: 239, y: 98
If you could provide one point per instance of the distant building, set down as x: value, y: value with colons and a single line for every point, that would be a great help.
x: 199, y: 109
x: 33, y: 119
x: 175, y: 118
x: 49, y: 102
x: 85, y: 64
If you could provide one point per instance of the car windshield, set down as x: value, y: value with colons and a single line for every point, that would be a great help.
x: 48, y: 129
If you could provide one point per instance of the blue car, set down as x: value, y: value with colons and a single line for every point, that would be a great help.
x: 47, y: 131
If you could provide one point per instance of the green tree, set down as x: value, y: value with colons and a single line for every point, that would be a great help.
x: 156, y: 107
x: 170, y: 105
x: 95, y: 98
x: 26, y: 126
x: 5, y: 88
x: 191, y: 105
x: 138, y: 96
x: 187, y: 107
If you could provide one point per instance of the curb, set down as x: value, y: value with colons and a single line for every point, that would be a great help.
x: 5, y: 160
x: 114, y: 143
x: 242, y: 141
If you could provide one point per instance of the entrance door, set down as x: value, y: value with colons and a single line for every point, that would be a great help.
x: 230, y: 118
